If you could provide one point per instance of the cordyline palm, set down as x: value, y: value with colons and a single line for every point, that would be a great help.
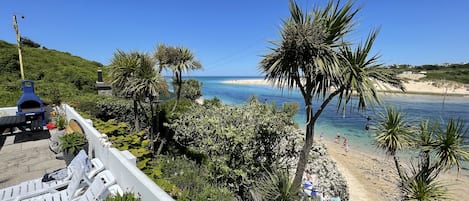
x: 184, y: 62
x: 449, y: 147
x: 421, y: 183
x: 134, y: 76
x: 165, y: 57
x: 310, y: 57
x: 179, y: 60
x: 393, y: 133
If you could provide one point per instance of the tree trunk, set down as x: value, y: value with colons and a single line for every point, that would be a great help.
x: 160, y: 148
x: 178, y: 91
x: 152, y: 128
x: 136, y: 121
x: 398, y: 167
x: 301, y: 166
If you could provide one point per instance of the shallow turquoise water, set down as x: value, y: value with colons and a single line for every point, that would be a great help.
x: 353, y: 122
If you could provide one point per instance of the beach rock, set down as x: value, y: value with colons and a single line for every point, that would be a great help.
x: 328, y: 180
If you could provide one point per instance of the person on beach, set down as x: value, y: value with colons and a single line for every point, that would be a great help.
x: 337, y: 138
x: 346, y: 149
x: 321, y: 137
x: 345, y: 142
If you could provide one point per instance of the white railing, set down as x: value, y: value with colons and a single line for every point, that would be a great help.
x: 8, y: 111
x: 122, y: 164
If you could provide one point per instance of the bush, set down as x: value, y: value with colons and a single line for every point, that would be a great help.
x: 186, y: 179
x: 238, y: 140
x: 72, y: 143
x: 191, y: 89
x: 127, y: 196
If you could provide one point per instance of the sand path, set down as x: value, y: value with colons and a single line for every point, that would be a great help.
x: 373, y: 176
x: 368, y: 177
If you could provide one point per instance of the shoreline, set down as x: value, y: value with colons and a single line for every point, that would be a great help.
x: 372, y: 176
x: 412, y: 87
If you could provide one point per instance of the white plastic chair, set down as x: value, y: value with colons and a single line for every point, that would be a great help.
x: 98, y: 190
x: 36, y: 186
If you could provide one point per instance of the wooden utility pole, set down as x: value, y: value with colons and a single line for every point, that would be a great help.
x: 18, y: 39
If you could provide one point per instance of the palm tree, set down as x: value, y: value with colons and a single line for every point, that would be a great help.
x: 446, y: 147
x: 180, y: 60
x: 134, y: 76
x: 165, y: 57
x: 311, y: 57
x: 393, y: 133
x: 276, y: 186
x: 421, y: 183
x: 449, y: 146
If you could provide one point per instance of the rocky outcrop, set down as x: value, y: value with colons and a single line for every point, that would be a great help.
x: 327, y: 179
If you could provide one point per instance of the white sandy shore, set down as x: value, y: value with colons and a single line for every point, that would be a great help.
x: 412, y: 86
x: 373, y: 176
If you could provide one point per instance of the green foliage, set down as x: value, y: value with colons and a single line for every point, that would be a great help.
x: 449, y: 146
x: 49, y: 69
x: 238, y: 140
x: 422, y: 184
x: 121, y: 110
x: 30, y: 43
x: 111, y: 127
x: 451, y: 72
x: 191, y: 89
x: 215, y: 102
x: 87, y: 103
x: 439, y: 149
x: 127, y: 196
x: 277, y: 186
x: 183, y: 106
x: 72, y: 143
x: 61, y: 121
x: 393, y: 132
x: 121, y: 138
x: 290, y: 108
x: 185, y: 179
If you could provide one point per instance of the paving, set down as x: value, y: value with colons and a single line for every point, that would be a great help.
x: 25, y: 156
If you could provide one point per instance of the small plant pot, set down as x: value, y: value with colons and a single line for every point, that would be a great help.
x: 68, y: 157
x: 55, y: 134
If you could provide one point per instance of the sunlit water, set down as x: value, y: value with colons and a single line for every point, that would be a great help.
x: 352, y: 122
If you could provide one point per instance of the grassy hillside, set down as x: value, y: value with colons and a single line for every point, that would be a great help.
x: 52, y: 71
x: 452, y: 72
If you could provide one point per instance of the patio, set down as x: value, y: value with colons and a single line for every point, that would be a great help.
x: 25, y: 156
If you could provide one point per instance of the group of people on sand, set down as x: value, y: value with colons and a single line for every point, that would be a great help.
x: 344, y: 143
x: 310, y: 189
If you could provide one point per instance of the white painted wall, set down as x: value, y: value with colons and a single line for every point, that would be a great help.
x: 121, y: 164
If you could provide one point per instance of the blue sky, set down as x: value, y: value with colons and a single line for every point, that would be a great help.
x: 229, y: 37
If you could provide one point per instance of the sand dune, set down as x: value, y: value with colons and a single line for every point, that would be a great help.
x: 412, y: 86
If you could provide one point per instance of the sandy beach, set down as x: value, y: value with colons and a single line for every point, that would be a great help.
x: 373, y: 176
x: 411, y: 84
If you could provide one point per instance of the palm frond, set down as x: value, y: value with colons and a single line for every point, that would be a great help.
x: 392, y: 133
x: 277, y: 186
x: 134, y: 75
x: 420, y: 183
x: 449, y: 147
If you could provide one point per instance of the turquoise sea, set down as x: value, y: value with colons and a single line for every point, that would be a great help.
x: 353, y: 122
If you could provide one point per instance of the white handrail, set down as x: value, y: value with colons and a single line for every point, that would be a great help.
x: 128, y: 176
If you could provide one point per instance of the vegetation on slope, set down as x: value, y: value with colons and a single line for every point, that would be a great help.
x: 55, y: 73
x: 450, y: 72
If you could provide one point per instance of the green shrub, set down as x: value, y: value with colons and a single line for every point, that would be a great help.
x: 72, y: 143
x: 191, y: 89
x: 127, y: 196
x: 238, y: 140
x: 185, y: 179
x: 61, y: 121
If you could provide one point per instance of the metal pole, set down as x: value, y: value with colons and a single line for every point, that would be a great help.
x: 18, y: 39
